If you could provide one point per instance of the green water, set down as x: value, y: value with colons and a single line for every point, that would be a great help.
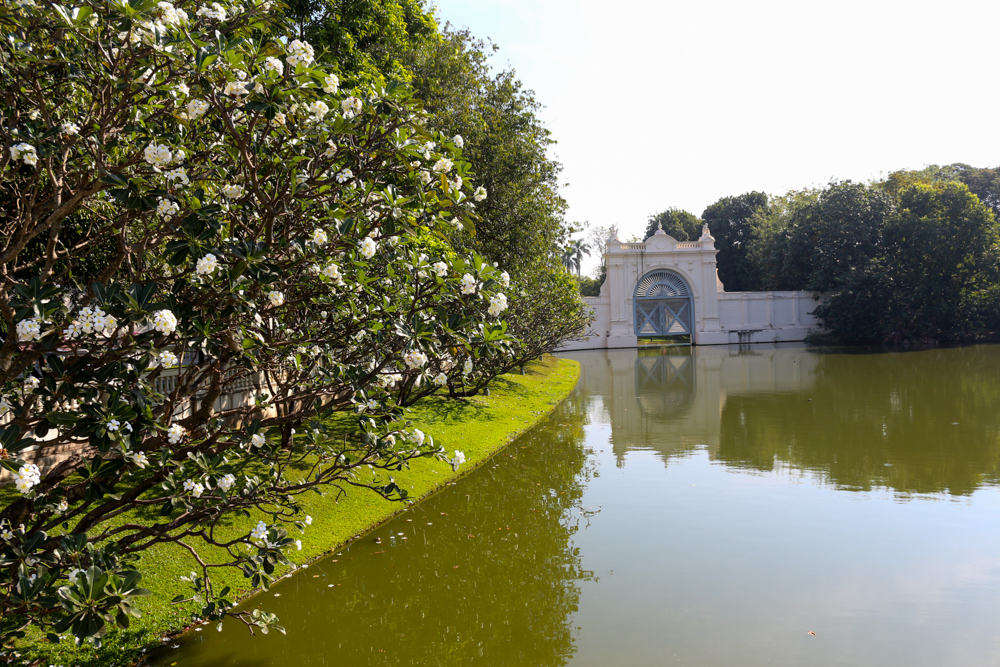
x: 699, y: 507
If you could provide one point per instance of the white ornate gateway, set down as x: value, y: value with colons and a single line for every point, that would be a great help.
x: 664, y: 288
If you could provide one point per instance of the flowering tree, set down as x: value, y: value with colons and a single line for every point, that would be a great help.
x: 278, y: 250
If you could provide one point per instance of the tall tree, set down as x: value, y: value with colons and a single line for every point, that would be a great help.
x: 676, y: 222
x: 731, y: 221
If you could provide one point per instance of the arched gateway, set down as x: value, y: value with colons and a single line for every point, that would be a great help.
x: 665, y: 287
x: 663, y: 305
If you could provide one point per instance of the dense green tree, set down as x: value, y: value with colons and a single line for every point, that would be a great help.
x: 676, y: 222
x: 364, y: 40
x: 497, y: 119
x: 731, y: 222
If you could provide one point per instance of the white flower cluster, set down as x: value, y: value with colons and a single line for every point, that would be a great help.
x: 232, y: 191
x: 139, y: 459
x: 388, y: 380
x: 440, y: 380
x: 4, y: 407
x: 167, y: 209
x: 31, y: 383
x: 196, y: 108
x: 179, y: 175
x: 175, y: 433
x: 300, y: 53
x: 330, y: 84
x: 443, y: 165
x: 318, y: 109
x: 498, y: 304
x: 441, y: 269
x: 158, y: 156
x: 29, y: 330
x: 226, y: 482
x: 258, y: 440
x: 213, y: 11
x: 170, y: 14
x: 458, y: 141
x: 236, y: 89
x: 206, y: 265
x: 259, y: 533
x: 468, y: 284
x: 164, y: 321
x: 319, y: 236
x: 194, y: 488
x: 69, y: 128
x: 415, y: 359
x: 417, y: 436
x: 345, y: 175
x: 505, y: 279
x: 467, y: 367
x: 332, y: 271
x: 167, y: 359
x: 24, y: 152
x: 28, y: 476
x: 479, y: 194
x: 368, y: 247
x: 459, y: 458
x: 351, y: 107
x: 274, y: 66
x: 276, y: 298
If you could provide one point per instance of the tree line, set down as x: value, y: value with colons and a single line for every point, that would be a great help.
x: 914, y: 257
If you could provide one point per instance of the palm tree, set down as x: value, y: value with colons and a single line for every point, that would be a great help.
x: 568, y: 258
x: 579, y: 248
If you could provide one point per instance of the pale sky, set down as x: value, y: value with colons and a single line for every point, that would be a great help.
x: 666, y: 103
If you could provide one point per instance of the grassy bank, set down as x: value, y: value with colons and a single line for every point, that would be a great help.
x: 479, y: 426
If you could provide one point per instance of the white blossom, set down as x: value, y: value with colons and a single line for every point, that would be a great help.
x: 179, y: 175
x: 498, y: 304
x: 236, y: 89
x: 28, y: 476
x: 213, y: 11
x: 368, y: 247
x: 345, y: 175
x: 206, y: 265
x: 194, y: 488
x: 351, y: 107
x: 90, y: 320
x: 458, y: 141
x: 415, y: 359
x: 62, y: 506
x: 30, y: 383
x: 139, y: 458
x: 4, y: 407
x: 157, y: 155
x: 24, y: 152
x: 417, y: 436
x: 479, y: 194
x: 114, y: 425
x: 273, y: 65
x: 505, y: 279
x: 425, y: 176
x: 299, y: 53
x: 332, y: 271
x: 468, y: 284
x: 29, y: 330
x: 441, y: 269
x: 440, y: 379
x: 182, y: 89
x: 319, y: 236
x: 259, y: 533
x: 175, y: 433
x: 167, y: 209
x: 443, y: 165
x: 196, y: 108
x: 69, y: 128
x: 309, y: 520
x: 167, y: 359
x: 467, y: 367
x: 318, y: 109
x: 276, y: 298
x: 258, y: 440
x: 232, y: 191
x: 164, y: 321
x: 298, y: 544
x: 459, y: 458
x: 226, y: 482
x: 330, y: 84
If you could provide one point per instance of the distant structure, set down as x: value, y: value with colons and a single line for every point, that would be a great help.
x: 663, y: 288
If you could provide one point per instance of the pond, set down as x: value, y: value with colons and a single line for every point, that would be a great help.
x: 698, y: 506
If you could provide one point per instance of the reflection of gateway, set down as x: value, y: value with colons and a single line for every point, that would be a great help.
x: 664, y: 384
x: 663, y: 305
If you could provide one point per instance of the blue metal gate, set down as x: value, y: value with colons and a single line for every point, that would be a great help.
x: 663, y: 305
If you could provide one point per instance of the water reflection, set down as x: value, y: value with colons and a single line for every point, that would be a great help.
x: 916, y: 422
x: 487, y: 574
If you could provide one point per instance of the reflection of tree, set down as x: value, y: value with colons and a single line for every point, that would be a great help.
x: 920, y: 422
x: 493, y: 581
